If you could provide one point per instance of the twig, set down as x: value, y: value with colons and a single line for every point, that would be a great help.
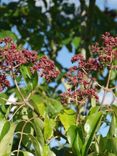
x: 16, y: 111
x: 18, y: 150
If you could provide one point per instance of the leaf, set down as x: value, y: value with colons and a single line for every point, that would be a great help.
x: 111, y: 154
x: 7, y: 140
x: 30, y: 79
x: 47, y: 151
x: 38, y: 104
x: 68, y: 118
x: 46, y: 106
x: 111, y: 145
x: 113, y: 74
x: 94, y: 110
x: 2, y: 122
x: 91, y: 125
x: 66, y: 41
x: 38, y: 127
x: 25, y: 72
x: 107, y: 144
x: 93, y: 102
x: 113, y: 126
x: 26, y: 153
x: 114, y: 109
x: 49, y: 125
x: 76, y: 42
x: 75, y: 138
x: 6, y: 33
x: 57, y: 106
x: 42, y: 108
x: 93, y: 154
x: 5, y: 129
x: 38, y: 147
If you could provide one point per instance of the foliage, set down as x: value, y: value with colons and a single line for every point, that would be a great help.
x: 35, y: 118
x: 31, y: 119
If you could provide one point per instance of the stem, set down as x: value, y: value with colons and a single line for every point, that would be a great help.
x: 19, y: 91
x: 14, y: 103
x: 25, y: 101
x: 16, y: 111
x: 109, y: 75
x: 103, y: 97
x: 22, y: 132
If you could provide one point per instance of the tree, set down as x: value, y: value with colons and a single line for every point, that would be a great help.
x: 36, y: 119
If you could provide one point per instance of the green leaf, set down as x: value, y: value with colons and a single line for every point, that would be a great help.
x: 55, y: 104
x: 94, y: 110
x: 114, y: 109
x: 76, y: 42
x: 46, y: 106
x: 93, y: 102
x: 26, y: 153
x: 75, y: 138
x: 38, y: 127
x: 47, y: 151
x: 25, y: 72
x: 30, y: 79
x: 6, y: 33
x: 111, y: 154
x: 113, y: 74
x: 5, y: 129
x: 38, y: 103
x: 68, y: 118
x: 2, y: 122
x: 66, y: 41
x: 109, y: 145
x: 91, y: 125
x: 93, y: 154
x: 38, y: 147
x: 7, y: 140
x: 49, y: 125
x: 113, y: 126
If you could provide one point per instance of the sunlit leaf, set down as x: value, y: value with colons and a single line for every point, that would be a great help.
x: 76, y: 42
x: 7, y: 140
x: 91, y: 125
x: 49, y: 125
x: 68, y: 118
x: 75, y: 138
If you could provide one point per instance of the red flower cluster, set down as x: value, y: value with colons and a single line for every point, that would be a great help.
x: 11, y: 58
x: 92, y: 64
x: 46, y: 68
x: 106, y: 53
x: 78, y: 96
x: 80, y: 76
x: 81, y: 86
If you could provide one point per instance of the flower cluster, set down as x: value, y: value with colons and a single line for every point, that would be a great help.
x: 82, y: 86
x: 106, y: 53
x: 92, y: 64
x: 79, y: 96
x: 12, y: 57
x: 46, y: 68
x: 80, y: 76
